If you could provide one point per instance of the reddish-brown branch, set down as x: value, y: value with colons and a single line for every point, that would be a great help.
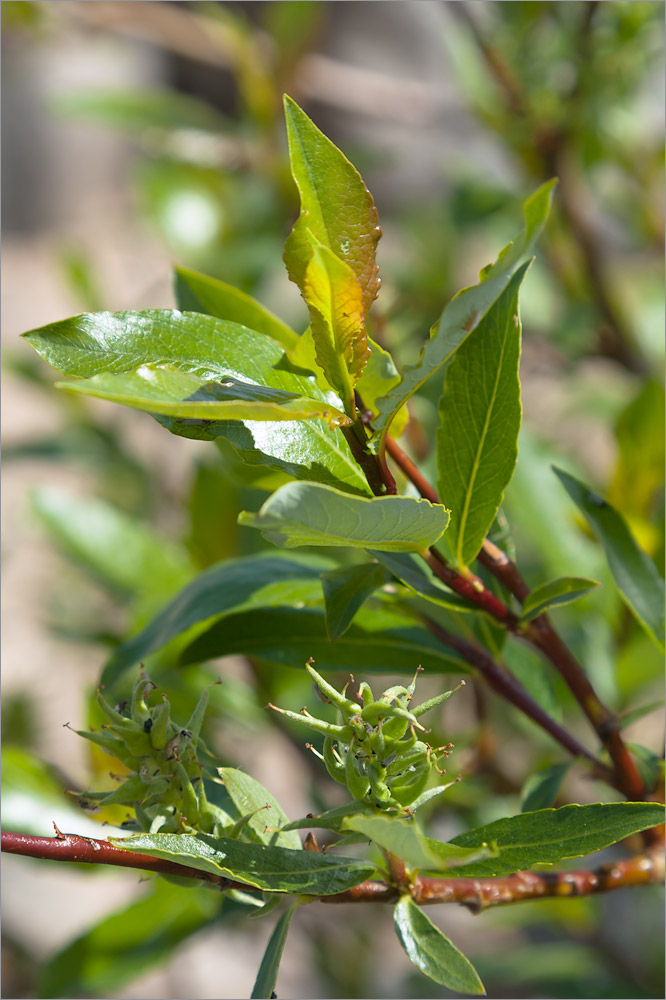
x: 540, y: 633
x: 374, y: 471
x: 86, y: 850
x: 472, y: 588
x: 499, y: 564
x: 475, y: 893
x: 506, y: 685
x: 410, y: 470
x: 480, y: 893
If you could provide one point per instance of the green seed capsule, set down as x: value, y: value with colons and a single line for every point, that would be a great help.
x: 189, y: 803
x: 377, y: 777
x: 131, y: 791
x: 161, y: 728
x: 414, y: 758
x: 357, y: 783
x: 377, y: 742
x: 197, y: 717
x: 334, y: 765
x: 405, y: 792
x: 138, y: 743
x: 365, y: 692
x: 318, y: 725
x: 396, y: 727
x: 138, y: 708
x: 346, y: 706
x: 113, y: 746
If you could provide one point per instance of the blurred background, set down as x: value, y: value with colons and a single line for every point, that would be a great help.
x: 139, y: 135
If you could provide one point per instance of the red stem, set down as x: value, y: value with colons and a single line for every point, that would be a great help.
x: 540, y: 633
x: 475, y: 893
x: 86, y: 850
x: 506, y: 685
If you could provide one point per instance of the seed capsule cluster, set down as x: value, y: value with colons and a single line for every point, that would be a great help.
x: 165, y: 787
x: 374, y: 748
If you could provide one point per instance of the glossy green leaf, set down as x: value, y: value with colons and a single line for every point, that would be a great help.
x: 264, y: 986
x: 479, y: 413
x: 249, y: 796
x: 336, y: 206
x: 275, y: 869
x: 376, y: 640
x: 121, y: 551
x: 345, y: 591
x: 335, y: 301
x: 551, y: 835
x: 636, y: 575
x: 403, y: 838
x: 417, y: 575
x: 228, y: 587
x: 432, y: 952
x: 380, y: 375
x: 165, y: 390
x: 213, y: 349
x: 197, y: 292
x: 466, y: 310
x: 128, y: 942
x: 314, y: 514
x: 141, y: 109
x: 540, y: 790
x: 555, y: 593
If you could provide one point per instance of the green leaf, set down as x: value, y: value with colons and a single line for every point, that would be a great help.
x: 636, y: 575
x: 165, y: 390
x: 336, y: 207
x: 432, y: 952
x: 650, y: 765
x: 313, y: 514
x: 335, y: 302
x: 331, y: 819
x: 141, y: 109
x: 198, y: 293
x: 275, y: 869
x: 479, y: 411
x: 118, y: 549
x: 345, y: 591
x: 378, y: 639
x: 128, y: 942
x: 551, y: 835
x: 228, y: 587
x: 552, y: 595
x: 417, y: 575
x: 404, y: 839
x: 249, y: 796
x: 380, y: 375
x: 627, y: 718
x: 264, y: 985
x: 212, y: 349
x: 540, y: 790
x: 465, y: 311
